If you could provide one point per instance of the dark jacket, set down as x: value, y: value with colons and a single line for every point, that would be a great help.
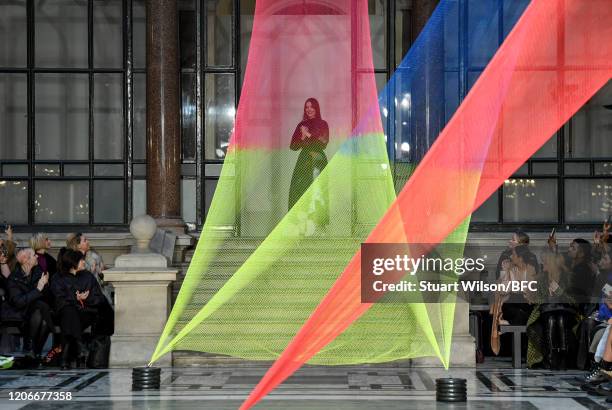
x: 21, y: 292
x: 51, y: 264
x: 65, y: 285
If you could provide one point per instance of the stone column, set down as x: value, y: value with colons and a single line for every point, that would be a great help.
x: 163, y: 121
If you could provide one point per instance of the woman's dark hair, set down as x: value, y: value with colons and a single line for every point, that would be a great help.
x: 315, y: 105
x: 585, y: 247
x: 523, y: 252
x: 69, y: 259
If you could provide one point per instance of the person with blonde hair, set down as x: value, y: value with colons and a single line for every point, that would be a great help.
x: 93, y: 261
x: 41, y: 244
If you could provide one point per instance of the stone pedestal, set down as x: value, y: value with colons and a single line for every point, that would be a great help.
x: 463, y: 347
x: 142, y: 305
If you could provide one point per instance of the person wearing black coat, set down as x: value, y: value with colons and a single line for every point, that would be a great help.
x: 77, y: 297
x: 25, y: 302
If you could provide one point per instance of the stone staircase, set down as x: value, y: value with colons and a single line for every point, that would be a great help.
x: 281, y: 310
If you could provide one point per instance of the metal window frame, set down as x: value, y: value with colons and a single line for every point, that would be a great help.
x: 31, y: 70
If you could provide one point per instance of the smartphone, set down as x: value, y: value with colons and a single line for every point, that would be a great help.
x: 4, y: 226
x: 607, y: 289
x: 552, y: 233
x: 608, y: 220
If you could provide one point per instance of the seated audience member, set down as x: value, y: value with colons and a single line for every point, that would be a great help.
x: 95, y: 264
x: 7, y: 257
x: 516, y: 305
x: 77, y: 296
x: 580, y: 288
x: 518, y: 238
x: 602, y: 374
x: 582, y: 279
x: 25, y: 302
x: 549, y: 325
x: 41, y: 245
x: 513, y: 307
x: 93, y: 261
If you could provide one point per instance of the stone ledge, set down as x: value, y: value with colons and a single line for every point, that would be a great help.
x: 150, y: 275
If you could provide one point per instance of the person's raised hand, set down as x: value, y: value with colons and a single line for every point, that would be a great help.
x: 552, y: 242
x: 42, y: 282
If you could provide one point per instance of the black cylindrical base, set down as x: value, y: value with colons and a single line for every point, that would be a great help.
x: 146, y: 378
x: 451, y: 390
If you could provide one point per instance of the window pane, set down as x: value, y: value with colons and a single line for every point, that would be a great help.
x: 139, y: 170
x: 403, y: 29
x: 247, y: 11
x: 544, y: 168
x: 588, y: 200
x: 378, y: 32
x: 15, y: 170
x: 603, y: 168
x: 488, y: 211
x: 188, y: 116
x: 483, y: 31
x: 107, y: 34
x: 47, y: 170
x: 108, y: 170
x: 188, y: 200
x: 451, y: 94
x: 530, y: 200
x: 548, y: 150
x: 76, y: 170
x: 108, y: 201
x: 187, y: 38
x: 13, y: 116
x: 591, y: 128
x: 108, y: 116
x: 522, y: 170
x: 219, y: 27
x: 227, y: 215
x: 579, y: 168
x: 60, y: 33
x: 139, y: 33
x: 62, y: 129
x: 451, y: 35
x: 61, y: 202
x: 14, y: 202
x: 140, y: 116
x: 13, y: 32
x: 139, y: 197
x: 220, y: 111
x: 513, y: 9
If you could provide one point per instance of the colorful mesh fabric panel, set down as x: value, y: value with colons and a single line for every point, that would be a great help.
x: 246, y: 294
x: 552, y: 62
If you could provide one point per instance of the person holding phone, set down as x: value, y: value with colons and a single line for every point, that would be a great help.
x: 25, y: 302
x: 77, y: 298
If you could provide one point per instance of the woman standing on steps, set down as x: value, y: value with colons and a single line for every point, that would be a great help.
x: 311, y: 137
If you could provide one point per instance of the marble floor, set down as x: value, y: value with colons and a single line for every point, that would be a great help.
x: 338, y: 388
